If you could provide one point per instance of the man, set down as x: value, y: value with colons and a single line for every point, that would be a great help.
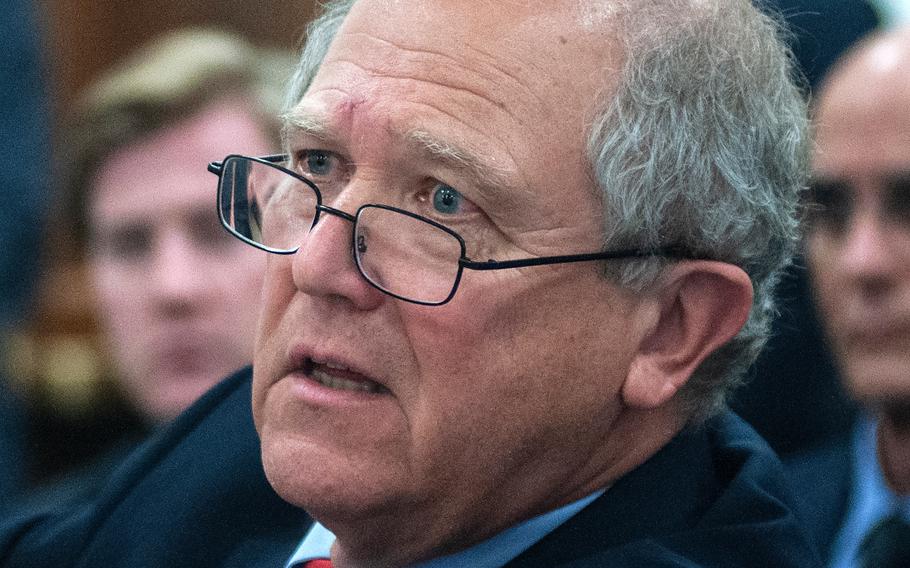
x: 858, y: 248
x: 521, y: 255
x: 175, y: 301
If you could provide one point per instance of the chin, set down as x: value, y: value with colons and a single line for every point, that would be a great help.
x: 328, y: 488
x: 879, y: 381
x: 168, y: 404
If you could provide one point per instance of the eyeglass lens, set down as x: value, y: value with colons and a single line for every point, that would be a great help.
x: 406, y: 255
x: 265, y: 205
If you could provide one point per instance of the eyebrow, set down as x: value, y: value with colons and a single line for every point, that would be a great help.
x: 304, y: 122
x: 491, y: 181
x: 453, y: 157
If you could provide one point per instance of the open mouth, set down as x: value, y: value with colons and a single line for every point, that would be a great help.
x: 339, y: 377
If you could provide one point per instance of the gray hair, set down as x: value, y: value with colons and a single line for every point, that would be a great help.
x: 319, y: 35
x: 703, y: 144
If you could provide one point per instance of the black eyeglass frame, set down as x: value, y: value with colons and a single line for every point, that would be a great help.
x: 217, y: 168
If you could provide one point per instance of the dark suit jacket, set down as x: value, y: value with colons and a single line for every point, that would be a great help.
x: 196, y: 496
x: 823, y: 482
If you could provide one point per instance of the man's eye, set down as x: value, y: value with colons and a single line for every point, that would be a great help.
x: 446, y: 200
x: 126, y: 243
x: 317, y: 162
x: 831, y: 205
x: 207, y: 234
x: 896, y: 199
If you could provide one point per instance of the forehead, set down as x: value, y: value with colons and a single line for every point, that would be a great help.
x: 167, y: 166
x: 862, y: 120
x: 512, y: 87
x: 505, y: 35
x: 520, y: 73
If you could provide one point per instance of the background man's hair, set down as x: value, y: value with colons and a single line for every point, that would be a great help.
x: 166, y: 81
x: 702, y: 143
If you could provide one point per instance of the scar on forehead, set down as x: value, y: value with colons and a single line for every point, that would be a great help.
x: 321, y: 121
x: 348, y: 107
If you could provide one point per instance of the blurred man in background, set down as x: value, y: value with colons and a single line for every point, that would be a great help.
x: 174, y: 298
x: 858, y: 250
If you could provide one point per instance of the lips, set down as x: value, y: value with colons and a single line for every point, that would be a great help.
x: 338, y: 376
x: 877, y: 334
x: 184, y: 359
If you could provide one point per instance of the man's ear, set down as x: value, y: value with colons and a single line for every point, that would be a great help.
x: 696, y: 307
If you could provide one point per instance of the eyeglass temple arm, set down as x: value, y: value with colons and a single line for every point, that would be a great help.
x: 675, y: 252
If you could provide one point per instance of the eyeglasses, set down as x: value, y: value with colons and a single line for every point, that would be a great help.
x: 402, y: 254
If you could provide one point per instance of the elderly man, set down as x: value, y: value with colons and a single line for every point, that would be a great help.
x: 521, y: 253
x: 858, y: 249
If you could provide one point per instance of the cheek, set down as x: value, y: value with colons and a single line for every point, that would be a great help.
x: 454, y: 339
x: 502, y: 386
x: 237, y: 284
x: 827, y: 284
x: 276, y: 294
x: 518, y: 355
x: 118, y: 298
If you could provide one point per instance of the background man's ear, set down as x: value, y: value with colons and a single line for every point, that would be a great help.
x: 700, y: 306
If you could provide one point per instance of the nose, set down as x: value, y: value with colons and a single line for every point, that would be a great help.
x: 176, y: 279
x: 868, y: 252
x: 324, y: 265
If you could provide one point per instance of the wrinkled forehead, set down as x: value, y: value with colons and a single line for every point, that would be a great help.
x: 561, y: 54
x: 489, y: 22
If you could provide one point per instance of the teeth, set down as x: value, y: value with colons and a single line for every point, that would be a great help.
x: 334, y: 382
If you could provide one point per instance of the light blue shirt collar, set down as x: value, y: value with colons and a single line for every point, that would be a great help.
x: 491, y: 553
x: 871, y: 499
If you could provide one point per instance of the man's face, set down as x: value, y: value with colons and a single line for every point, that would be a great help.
x: 859, y: 249
x: 462, y: 418
x: 177, y: 296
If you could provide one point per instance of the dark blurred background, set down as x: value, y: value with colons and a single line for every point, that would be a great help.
x: 83, y: 37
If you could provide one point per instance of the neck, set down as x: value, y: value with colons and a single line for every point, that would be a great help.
x: 894, y: 449
x: 415, y: 534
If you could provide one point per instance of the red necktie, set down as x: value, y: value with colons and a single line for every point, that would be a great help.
x: 318, y: 563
